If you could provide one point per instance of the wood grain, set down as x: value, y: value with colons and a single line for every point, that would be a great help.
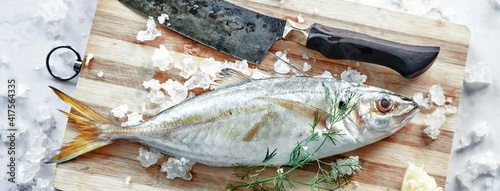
x: 126, y: 64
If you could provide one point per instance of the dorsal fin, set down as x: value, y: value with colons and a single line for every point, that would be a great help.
x: 229, y: 76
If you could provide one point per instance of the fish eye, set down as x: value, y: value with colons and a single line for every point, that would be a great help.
x: 384, y: 104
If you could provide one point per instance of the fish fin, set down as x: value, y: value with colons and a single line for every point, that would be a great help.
x: 90, y: 127
x: 229, y: 76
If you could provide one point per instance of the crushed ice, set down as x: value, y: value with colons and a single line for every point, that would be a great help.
x: 434, y: 122
x: 120, y: 111
x: 162, y: 18
x: 161, y: 58
x: 481, y: 130
x: 176, y: 90
x: 353, y: 76
x: 45, y: 118
x: 150, y: 33
x: 477, y: 76
x: 438, y: 117
x: 346, y: 166
x: 127, y: 180
x: 436, y: 95
x: 480, y: 164
x: 280, y: 66
x: 148, y: 158
x: 133, y: 118
x: 326, y: 74
x: 300, y: 19
x: 306, y: 67
x: 176, y: 167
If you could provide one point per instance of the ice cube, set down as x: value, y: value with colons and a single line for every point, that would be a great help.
x: 356, y: 184
x: 326, y: 74
x: 89, y: 57
x: 187, y: 67
x: 484, y: 163
x: 300, y: 19
x: 280, y: 66
x: 304, y: 56
x: 120, y: 111
x: 54, y: 10
x: 156, y: 96
x: 434, y: 122
x: 241, y: 66
x: 463, y: 143
x: 148, y: 158
x: 127, y: 180
x: 175, y: 90
x: 42, y: 184
x: 162, y: 18
x: 346, y: 166
x: 481, y: 130
x: 306, y: 67
x: 23, y: 91
x: 449, y: 100
x: 419, y: 98
x: 210, y: 66
x: 198, y: 80
x: 45, y: 118
x: 353, y: 76
x: 26, y: 171
x: 100, y: 74
x: 150, y: 33
x: 450, y: 109
x: 36, y: 150
x: 133, y: 118
x: 153, y: 84
x: 176, y: 167
x: 161, y: 58
x: 436, y: 95
x: 477, y: 76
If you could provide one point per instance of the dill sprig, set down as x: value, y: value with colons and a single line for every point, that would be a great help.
x: 301, y: 155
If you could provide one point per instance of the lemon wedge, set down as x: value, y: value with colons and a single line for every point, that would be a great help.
x: 416, y: 179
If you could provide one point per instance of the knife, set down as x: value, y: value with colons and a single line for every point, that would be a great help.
x: 246, y: 34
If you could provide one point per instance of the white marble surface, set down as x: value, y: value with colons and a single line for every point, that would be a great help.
x: 29, y: 29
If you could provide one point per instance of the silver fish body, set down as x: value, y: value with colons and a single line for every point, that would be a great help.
x: 238, y: 123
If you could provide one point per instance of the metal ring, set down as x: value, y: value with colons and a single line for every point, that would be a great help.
x: 76, y: 67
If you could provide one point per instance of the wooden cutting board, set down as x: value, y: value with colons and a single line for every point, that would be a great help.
x: 126, y: 64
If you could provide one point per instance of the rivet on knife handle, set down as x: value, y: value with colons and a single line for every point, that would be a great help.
x: 407, y: 60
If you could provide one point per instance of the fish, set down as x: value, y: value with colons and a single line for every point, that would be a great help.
x: 237, y: 122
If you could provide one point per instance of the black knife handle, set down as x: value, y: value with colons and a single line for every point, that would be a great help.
x: 407, y: 60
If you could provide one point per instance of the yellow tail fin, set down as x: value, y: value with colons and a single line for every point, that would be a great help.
x: 90, y: 127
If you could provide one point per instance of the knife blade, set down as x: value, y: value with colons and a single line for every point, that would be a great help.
x: 246, y: 34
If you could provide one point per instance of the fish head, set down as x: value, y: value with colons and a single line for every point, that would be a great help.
x: 380, y: 113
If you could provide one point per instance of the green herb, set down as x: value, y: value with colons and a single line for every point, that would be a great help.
x: 325, y: 179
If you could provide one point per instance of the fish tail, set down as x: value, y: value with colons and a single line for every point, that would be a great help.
x: 90, y: 127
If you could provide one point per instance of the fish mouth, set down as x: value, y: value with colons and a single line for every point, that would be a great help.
x: 408, y: 116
